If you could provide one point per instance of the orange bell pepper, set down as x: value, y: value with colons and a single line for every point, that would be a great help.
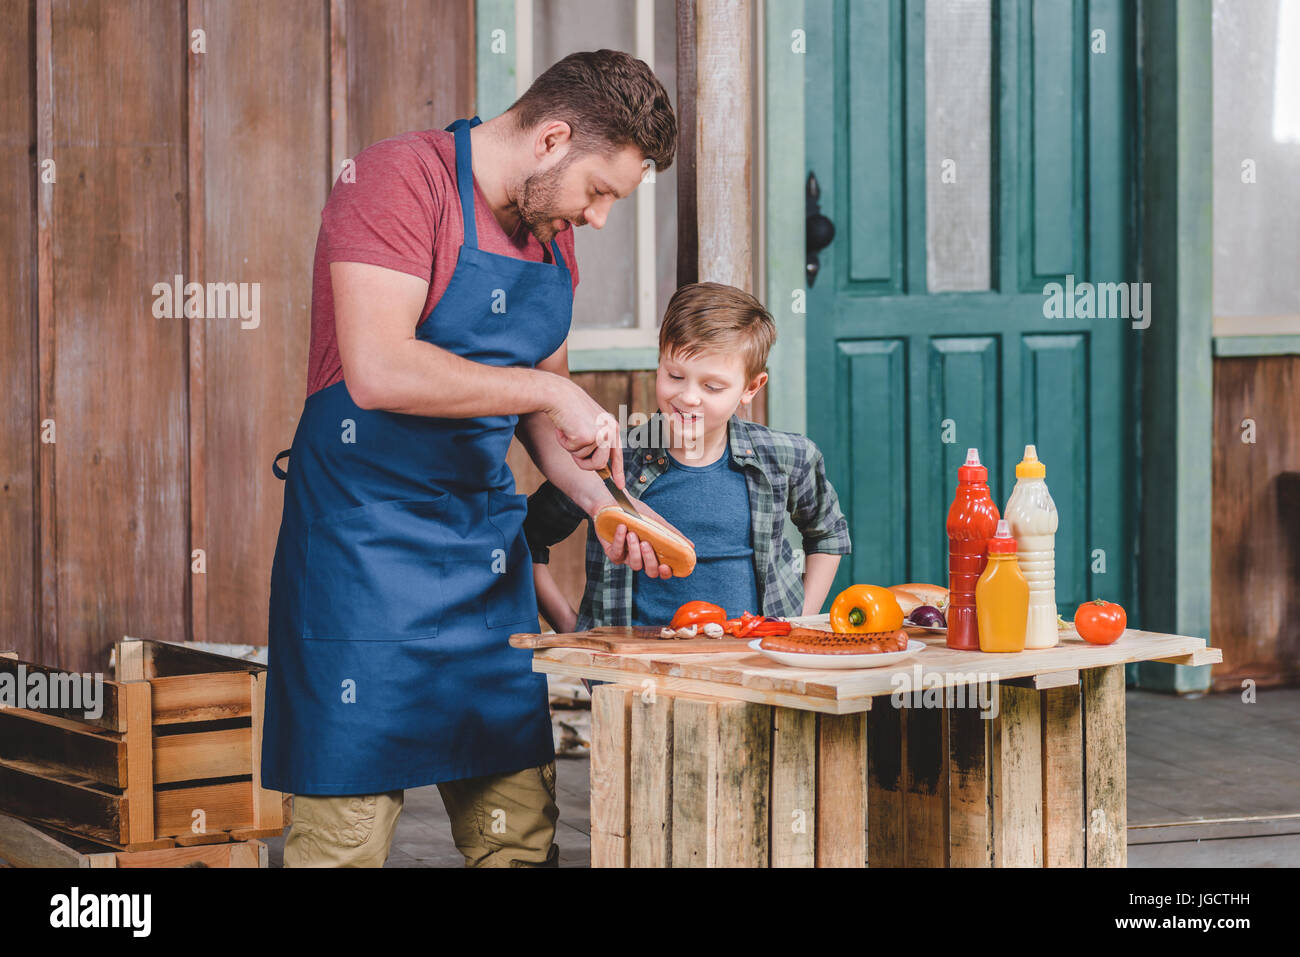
x: 861, y: 609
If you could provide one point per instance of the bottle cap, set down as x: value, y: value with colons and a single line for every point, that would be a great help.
x: 972, y: 471
x: 1029, y: 466
x: 1002, y: 543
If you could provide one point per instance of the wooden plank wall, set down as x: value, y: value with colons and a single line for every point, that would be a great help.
x: 1255, y: 561
x: 213, y: 165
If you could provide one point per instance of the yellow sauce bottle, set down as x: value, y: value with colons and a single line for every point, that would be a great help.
x: 1002, y: 596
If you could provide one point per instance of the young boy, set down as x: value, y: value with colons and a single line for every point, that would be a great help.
x: 723, y: 482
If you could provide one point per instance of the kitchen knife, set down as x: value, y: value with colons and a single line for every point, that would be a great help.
x: 620, y: 496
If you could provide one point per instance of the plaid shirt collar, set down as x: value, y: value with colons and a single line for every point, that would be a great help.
x: 645, y: 455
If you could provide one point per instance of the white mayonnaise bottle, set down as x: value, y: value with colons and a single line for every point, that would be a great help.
x: 1032, y: 516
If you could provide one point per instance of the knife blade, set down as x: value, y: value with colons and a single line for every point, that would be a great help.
x: 621, y: 497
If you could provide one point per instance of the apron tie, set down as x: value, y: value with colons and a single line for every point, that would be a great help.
x: 280, y: 473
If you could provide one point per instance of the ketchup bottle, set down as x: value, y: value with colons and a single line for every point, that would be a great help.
x: 972, y: 521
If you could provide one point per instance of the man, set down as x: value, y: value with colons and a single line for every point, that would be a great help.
x: 442, y: 297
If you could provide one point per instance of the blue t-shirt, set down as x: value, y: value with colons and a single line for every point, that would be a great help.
x: 710, y: 505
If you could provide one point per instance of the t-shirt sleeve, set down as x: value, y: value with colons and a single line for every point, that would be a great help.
x: 386, y: 217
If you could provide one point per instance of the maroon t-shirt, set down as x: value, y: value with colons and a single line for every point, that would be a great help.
x: 403, y: 212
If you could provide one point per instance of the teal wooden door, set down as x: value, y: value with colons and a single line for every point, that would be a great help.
x: 928, y: 328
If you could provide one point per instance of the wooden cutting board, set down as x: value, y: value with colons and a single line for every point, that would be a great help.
x: 630, y: 641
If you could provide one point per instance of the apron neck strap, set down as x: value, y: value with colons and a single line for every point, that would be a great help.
x: 465, y: 177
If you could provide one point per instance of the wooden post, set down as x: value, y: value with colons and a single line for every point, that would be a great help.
x: 1017, y: 771
x: 268, y: 806
x: 885, y: 786
x: 1105, y: 761
x: 651, y: 781
x: 611, y: 728
x: 841, y: 790
x: 724, y: 107
x: 970, y: 832
x: 794, y: 791
x: 1063, y: 819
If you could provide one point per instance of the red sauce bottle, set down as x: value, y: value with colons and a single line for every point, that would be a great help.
x: 972, y: 521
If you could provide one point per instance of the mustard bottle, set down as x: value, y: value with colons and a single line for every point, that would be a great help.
x: 1002, y: 596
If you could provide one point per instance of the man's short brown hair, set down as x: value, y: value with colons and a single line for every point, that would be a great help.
x: 610, y: 100
x: 709, y: 317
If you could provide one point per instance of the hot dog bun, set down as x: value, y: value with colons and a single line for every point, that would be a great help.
x: 914, y: 594
x: 673, y: 550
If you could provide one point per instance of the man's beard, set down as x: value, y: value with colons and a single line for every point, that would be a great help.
x: 537, y: 197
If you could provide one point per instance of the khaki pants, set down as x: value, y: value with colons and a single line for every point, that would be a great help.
x: 502, y: 820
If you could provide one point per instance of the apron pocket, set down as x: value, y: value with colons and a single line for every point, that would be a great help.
x: 376, y: 573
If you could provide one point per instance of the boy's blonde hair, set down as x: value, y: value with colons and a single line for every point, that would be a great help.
x: 709, y: 317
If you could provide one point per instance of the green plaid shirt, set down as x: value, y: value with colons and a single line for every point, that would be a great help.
x: 785, y: 475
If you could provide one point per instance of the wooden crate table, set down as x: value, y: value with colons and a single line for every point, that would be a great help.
x: 731, y: 759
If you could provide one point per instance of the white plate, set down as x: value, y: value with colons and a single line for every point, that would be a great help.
x: 912, y: 624
x: 821, y: 662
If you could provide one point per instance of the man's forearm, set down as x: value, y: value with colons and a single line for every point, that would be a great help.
x: 420, y: 378
x: 818, y: 575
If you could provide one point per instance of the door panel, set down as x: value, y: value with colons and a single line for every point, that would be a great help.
x: 903, y: 381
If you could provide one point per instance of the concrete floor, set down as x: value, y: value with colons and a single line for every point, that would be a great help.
x: 1213, y: 782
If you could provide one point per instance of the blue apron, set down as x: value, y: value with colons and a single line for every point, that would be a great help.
x: 401, y: 567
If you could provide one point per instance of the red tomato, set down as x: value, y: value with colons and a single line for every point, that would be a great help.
x: 1100, y: 622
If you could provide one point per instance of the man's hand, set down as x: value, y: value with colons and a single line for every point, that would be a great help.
x: 627, y: 549
x: 585, y: 430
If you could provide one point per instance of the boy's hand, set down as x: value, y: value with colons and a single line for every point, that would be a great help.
x: 627, y: 549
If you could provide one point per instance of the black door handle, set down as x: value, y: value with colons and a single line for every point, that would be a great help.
x: 818, y: 228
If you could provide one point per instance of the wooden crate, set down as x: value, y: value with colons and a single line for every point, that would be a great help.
x: 173, y: 760
x: 682, y: 779
x: 23, y: 844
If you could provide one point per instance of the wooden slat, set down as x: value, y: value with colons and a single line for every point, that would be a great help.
x: 970, y: 835
x: 212, y: 697
x: 111, y: 718
x: 794, y: 790
x: 695, y: 740
x: 1017, y: 770
x: 841, y: 790
x: 1063, y: 821
x: 46, y: 498
x: 651, y: 781
x: 224, y: 806
x: 196, y: 263
x: 23, y: 845
x: 265, y: 145
x: 204, y: 754
x: 611, y: 724
x: 435, y: 39
x: 688, y: 236
x: 165, y: 660
x: 724, y: 165
x: 32, y: 792
x: 19, y: 494
x: 885, y: 787
x: 268, y: 806
x: 742, y: 779
x: 118, y: 373
x: 1105, y: 759
x: 139, y: 762
x: 925, y: 794
x: 64, y: 746
x: 242, y: 854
